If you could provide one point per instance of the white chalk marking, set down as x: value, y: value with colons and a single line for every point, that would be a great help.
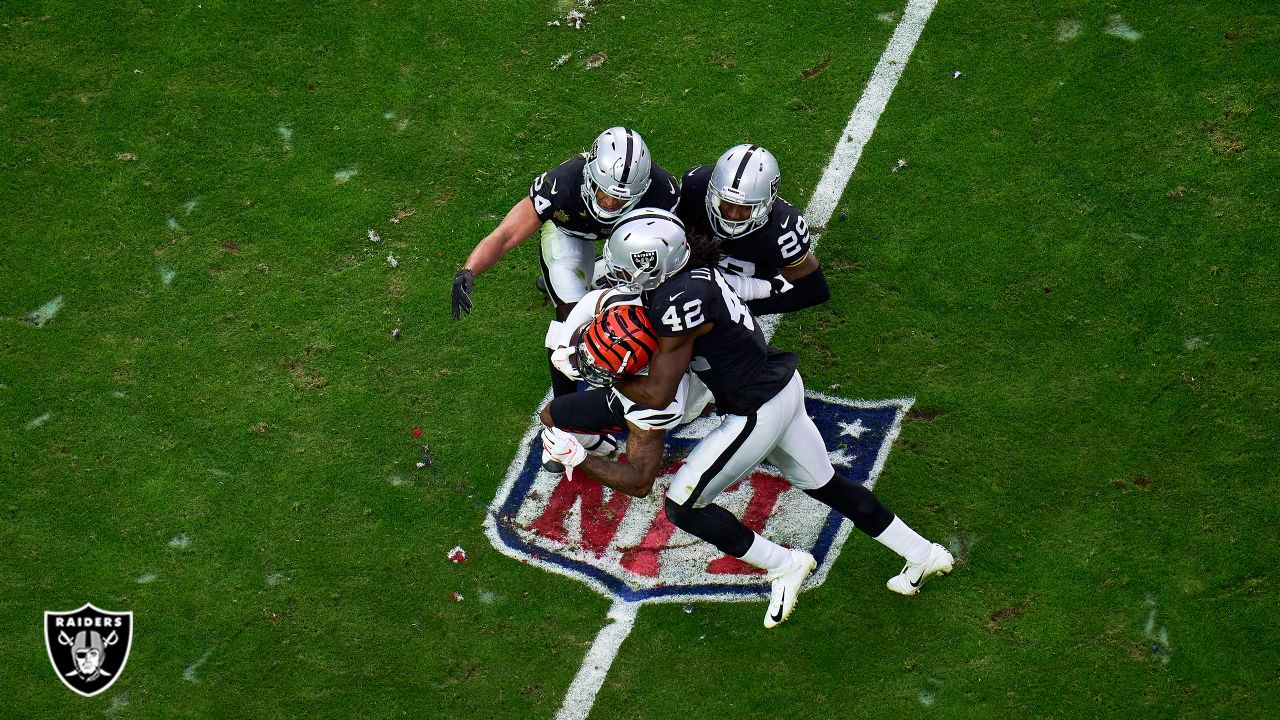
x: 888, y: 18
x: 118, y: 703
x: 119, y: 394
x: 1193, y: 343
x: 862, y: 122
x: 487, y: 597
x: 835, y: 177
x: 389, y: 115
x: 926, y: 698
x: 173, y: 225
x: 398, y: 481
x: 147, y: 577
x: 39, y: 420
x: 582, y: 692
x: 180, y: 541
x: 167, y: 274
x: 190, y: 673
x: 286, y: 137
x: 275, y: 578
x: 44, y: 313
x: 1117, y: 27
x: 1067, y: 30
x: 190, y: 205
x: 841, y: 458
x: 344, y: 175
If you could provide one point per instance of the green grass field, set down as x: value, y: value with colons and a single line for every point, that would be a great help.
x: 1076, y: 275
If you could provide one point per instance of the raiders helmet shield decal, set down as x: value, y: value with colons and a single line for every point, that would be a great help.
x: 645, y: 261
x: 88, y: 647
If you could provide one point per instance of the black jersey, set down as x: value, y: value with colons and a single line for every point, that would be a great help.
x: 557, y: 196
x: 781, y: 242
x: 740, y: 369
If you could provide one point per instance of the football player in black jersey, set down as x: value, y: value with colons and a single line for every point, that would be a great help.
x: 703, y: 325
x: 575, y: 204
x: 768, y: 258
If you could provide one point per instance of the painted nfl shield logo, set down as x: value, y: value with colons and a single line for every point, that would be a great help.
x: 626, y: 549
x: 88, y: 647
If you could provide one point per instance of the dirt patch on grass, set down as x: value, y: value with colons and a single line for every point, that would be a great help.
x: 305, y: 378
x: 230, y: 246
x: 1004, y: 615
x: 816, y: 70
x: 923, y: 414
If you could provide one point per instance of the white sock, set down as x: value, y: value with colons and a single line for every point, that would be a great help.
x: 908, y: 543
x: 768, y: 555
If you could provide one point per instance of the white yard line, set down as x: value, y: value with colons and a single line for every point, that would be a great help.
x: 582, y: 693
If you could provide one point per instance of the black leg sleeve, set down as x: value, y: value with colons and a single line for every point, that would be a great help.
x: 854, y: 502
x: 713, y: 524
x: 806, y: 292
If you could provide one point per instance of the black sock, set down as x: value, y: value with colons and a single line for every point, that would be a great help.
x: 854, y: 502
x: 713, y: 524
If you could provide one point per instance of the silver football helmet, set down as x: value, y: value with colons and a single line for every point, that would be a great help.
x: 746, y: 175
x: 619, y: 165
x: 647, y: 247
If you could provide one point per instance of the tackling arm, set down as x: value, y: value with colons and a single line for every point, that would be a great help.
x: 520, y: 223
x: 658, y: 388
x: 805, y: 286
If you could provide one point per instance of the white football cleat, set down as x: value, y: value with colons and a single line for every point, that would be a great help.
x: 552, y: 466
x: 913, y: 575
x: 786, y: 587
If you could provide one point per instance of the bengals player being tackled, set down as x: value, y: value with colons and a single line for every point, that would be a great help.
x: 702, y: 325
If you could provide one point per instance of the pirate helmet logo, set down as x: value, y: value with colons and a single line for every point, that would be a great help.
x: 645, y: 261
x: 88, y: 647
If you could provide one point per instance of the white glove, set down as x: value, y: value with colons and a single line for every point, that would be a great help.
x: 563, y: 447
x: 560, y: 358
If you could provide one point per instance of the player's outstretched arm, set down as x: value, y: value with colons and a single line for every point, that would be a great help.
x: 520, y: 223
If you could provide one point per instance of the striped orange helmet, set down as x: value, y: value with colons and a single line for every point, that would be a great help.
x: 620, y: 341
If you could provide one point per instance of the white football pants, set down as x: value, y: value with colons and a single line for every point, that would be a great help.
x: 568, y: 264
x: 780, y: 431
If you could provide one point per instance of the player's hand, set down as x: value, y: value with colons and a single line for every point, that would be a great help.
x: 563, y: 447
x: 563, y: 360
x: 463, y: 283
x: 779, y: 285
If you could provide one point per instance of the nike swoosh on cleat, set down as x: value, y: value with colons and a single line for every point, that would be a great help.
x: 777, y: 617
x: 917, y: 582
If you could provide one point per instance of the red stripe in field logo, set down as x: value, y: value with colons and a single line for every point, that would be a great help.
x: 626, y: 549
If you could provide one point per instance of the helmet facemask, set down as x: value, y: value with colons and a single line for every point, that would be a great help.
x: 747, y: 176
x: 647, y: 247
x: 618, y: 166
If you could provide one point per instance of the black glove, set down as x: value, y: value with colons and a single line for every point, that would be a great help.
x: 463, y: 283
